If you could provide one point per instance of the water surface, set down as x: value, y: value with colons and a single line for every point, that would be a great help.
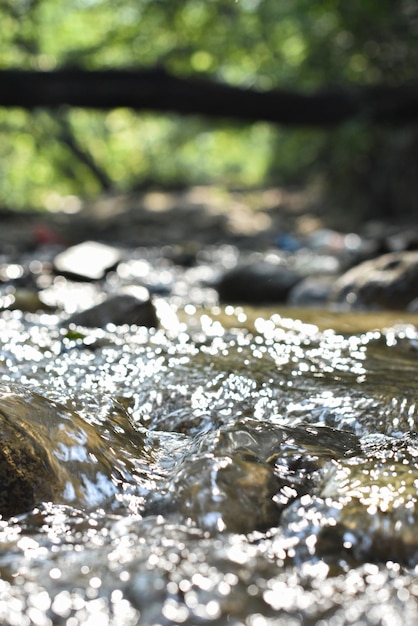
x: 234, y: 467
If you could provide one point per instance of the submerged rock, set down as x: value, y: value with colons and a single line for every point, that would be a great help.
x: 375, y: 502
x: 388, y: 282
x: 233, y: 493
x: 50, y: 453
x: 240, y: 479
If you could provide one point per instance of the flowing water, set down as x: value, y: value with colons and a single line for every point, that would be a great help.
x: 226, y: 470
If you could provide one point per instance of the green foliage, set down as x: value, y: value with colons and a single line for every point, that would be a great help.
x: 298, y: 44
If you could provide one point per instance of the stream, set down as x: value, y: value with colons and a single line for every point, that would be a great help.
x: 234, y: 467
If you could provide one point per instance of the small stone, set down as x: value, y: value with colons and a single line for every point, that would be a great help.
x: 89, y: 260
x: 129, y: 307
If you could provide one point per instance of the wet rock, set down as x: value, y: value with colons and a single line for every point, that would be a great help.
x: 132, y: 306
x: 240, y: 479
x: 228, y: 493
x: 89, y: 260
x: 49, y: 453
x: 261, y: 282
x: 376, y: 502
x: 388, y: 282
x: 219, y: 491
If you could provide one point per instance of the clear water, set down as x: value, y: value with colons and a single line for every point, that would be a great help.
x: 219, y: 471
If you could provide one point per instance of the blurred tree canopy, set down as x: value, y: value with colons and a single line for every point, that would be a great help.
x: 48, y: 157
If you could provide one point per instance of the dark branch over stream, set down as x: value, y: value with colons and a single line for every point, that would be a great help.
x: 155, y: 89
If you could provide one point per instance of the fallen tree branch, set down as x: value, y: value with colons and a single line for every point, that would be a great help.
x: 156, y: 90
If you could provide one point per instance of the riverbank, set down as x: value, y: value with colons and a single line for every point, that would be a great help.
x: 199, y: 247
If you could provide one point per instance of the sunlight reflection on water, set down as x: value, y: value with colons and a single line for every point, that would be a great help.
x: 194, y: 421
